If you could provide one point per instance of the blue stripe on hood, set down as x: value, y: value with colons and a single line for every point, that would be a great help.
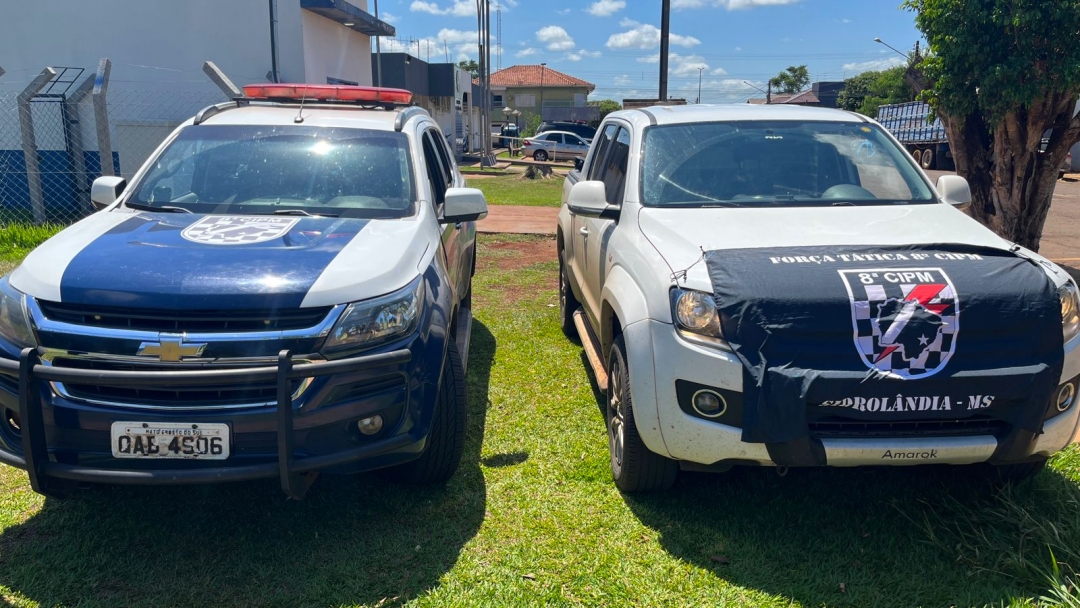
x: 144, y: 262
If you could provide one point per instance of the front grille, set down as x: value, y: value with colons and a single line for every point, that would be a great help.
x: 179, y: 321
x: 837, y: 428
x: 206, y: 396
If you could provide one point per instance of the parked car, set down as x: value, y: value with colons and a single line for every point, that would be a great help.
x: 784, y: 287
x: 508, y: 133
x: 554, y: 145
x: 281, y: 289
x: 580, y: 129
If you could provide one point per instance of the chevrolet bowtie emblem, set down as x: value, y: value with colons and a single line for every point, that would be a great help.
x: 171, y: 349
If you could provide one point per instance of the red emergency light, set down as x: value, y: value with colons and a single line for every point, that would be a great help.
x: 327, y: 92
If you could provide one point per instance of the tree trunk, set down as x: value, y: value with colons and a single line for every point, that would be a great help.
x: 1012, y: 181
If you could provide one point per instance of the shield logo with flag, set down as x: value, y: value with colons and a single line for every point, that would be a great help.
x: 906, y: 320
x: 238, y: 229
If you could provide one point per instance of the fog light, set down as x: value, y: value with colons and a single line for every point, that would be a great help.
x: 370, y: 426
x: 1065, y: 397
x: 709, y: 404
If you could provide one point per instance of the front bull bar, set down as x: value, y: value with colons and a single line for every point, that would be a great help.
x: 295, y: 474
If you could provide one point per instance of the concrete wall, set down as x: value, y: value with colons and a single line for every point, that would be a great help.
x: 335, y: 51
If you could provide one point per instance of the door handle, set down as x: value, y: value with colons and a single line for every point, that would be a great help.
x: 584, y: 231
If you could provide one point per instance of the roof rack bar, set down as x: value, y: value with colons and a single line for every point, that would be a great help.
x: 406, y: 115
x: 209, y: 111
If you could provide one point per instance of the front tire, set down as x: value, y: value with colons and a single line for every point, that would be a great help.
x: 633, y: 466
x: 446, y: 440
x: 568, y: 304
x: 540, y: 155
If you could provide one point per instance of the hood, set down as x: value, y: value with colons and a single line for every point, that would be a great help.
x: 680, y: 235
x: 194, y: 261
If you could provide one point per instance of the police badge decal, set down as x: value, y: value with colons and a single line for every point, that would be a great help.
x: 237, y: 230
x: 906, y: 320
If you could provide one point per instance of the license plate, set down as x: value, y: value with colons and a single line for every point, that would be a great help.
x: 170, y: 440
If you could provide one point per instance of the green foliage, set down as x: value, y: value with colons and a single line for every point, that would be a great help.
x: 470, y: 66
x: 607, y: 106
x: 532, y: 125
x: 791, y: 80
x: 994, y: 56
x: 868, y: 91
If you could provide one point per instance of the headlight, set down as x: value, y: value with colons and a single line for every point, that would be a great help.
x: 1070, y: 311
x: 695, y: 312
x: 372, y: 322
x: 14, y: 321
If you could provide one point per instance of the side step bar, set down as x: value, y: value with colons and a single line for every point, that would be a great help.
x: 463, y: 335
x: 592, y: 350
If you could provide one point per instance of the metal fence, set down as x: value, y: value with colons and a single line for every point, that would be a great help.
x: 55, y: 132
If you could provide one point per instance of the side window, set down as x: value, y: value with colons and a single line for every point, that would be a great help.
x: 614, y: 168
x: 434, y: 169
x: 446, y: 158
x: 597, y: 163
x: 556, y: 138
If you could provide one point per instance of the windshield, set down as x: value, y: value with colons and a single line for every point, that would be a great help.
x: 771, y: 163
x: 263, y: 170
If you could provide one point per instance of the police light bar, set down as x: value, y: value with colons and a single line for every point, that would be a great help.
x: 327, y: 92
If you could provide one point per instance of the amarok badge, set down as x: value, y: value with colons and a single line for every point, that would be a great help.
x: 906, y: 320
x: 238, y: 229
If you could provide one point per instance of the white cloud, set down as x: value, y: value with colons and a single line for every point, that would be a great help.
x: 845, y: 21
x: 461, y: 43
x: 564, y: 11
x: 719, y: 72
x: 731, y: 5
x: 649, y: 59
x: 622, y: 81
x: 679, y: 65
x: 555, y: 38
x: 877, y: 64
x: 645, y: 36
x: 459, y: 8
x: 605, y: 8
x: 388, y: 17
x: 579, y: 55
x: 526, y: 52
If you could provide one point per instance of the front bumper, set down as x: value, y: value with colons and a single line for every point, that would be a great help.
x: 284, y: 462
x: 659, y: 360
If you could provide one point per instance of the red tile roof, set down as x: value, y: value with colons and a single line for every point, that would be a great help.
x: 529, y: 76
x: 804, y: 97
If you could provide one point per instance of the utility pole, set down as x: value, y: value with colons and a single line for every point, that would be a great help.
x: 665, y: 35
x: 378, y: 51
x: 543, y: 67
x: 699, y: 71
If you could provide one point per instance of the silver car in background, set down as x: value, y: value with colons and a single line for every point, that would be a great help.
x: 554, y: 145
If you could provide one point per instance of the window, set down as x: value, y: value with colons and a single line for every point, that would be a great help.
x: 497, y: 101
x: 782, y: 163
x: 260, y: 170
x: 614, y: 168
x: 556, y: 138
x: 597, y: 162
x: 436, y: 168
x: 525, y: 100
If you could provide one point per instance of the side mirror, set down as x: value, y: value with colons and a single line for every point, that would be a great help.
x: 579, y: 163
x: 955, y: 191
x: 463, y: 205
x: 589, y: 199
x: 105, y: 190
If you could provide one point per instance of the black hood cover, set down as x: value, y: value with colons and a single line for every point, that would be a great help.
x: 884, y: 334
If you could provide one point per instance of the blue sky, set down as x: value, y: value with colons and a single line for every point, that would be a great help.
x: 615, y: 43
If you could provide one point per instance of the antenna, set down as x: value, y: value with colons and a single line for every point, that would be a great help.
x: 300, y: 115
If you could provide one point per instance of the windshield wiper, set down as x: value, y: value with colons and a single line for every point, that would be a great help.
x: 162, y: 208
x: 302, y: 212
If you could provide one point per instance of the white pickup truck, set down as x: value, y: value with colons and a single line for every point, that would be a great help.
x: 777, y: 286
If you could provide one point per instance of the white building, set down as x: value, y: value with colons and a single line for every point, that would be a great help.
x: 157, y: 51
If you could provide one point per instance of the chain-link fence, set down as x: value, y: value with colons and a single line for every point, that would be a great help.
x: 53, y: 140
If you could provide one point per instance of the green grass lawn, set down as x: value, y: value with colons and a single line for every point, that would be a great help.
x: 516, y: 190
x: 532, y: 517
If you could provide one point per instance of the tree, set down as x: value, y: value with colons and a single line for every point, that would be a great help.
x: 607, y: 106
x: 868, y: 91
x: 470, y: 66
x: 791, y: 80
x: 1000, y: 74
